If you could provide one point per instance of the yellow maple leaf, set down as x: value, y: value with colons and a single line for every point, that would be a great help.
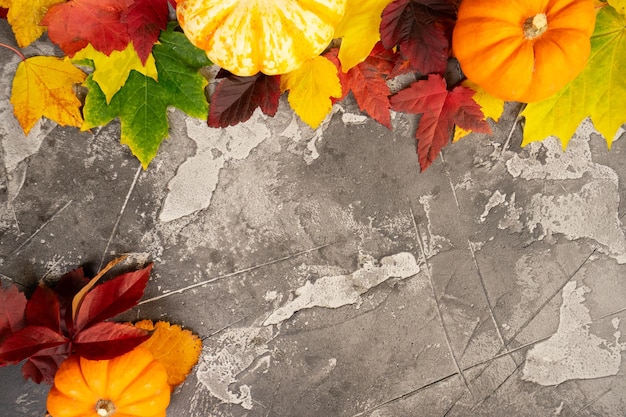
x: 310, y: 88
x: 112, y: 71
x: 618, y: 5
x: 43, y: 87
x: 359, y: 30
x: 177, y: 349
x: 492, y: 107
x: 24, y: 17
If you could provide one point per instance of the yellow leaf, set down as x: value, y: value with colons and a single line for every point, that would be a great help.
x: 43, y: 87
x: 619, y: 5
x: 310, y: 88
x: 359, y: 30
x: 24, y: 17
x: 177, y: 349
x: 492, y: 107
x: 112, y: 71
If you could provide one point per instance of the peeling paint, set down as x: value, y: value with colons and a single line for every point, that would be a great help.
x: 341, y: 290
x: 496, y: 199
x: 433, y: 242
x: 573, y: 352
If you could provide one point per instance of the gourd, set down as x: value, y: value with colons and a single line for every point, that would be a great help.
x: 134, y: 384
x: 270, y: 36
x: 523, y: 50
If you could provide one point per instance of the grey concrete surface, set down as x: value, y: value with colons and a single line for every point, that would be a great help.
x: 327, y: 276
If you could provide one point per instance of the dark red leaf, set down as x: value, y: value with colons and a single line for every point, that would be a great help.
x: 173, y: 3
x: 42, y: 368
x: 107, y: 340
x: 146, y: 19
x: 112, y: 298
x: 441, y: 110
x: 236, y: 98
x: 12, y: 311
x: 421, y: 30
x: 42, y: 309
x: 29, y: 341
x: 3, y: 13
x: 66, y: 288
x: 74, y: 24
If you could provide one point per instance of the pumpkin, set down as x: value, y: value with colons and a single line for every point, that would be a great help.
x: 270, y: 36
x: 523, y: 50
x: 131, y: 385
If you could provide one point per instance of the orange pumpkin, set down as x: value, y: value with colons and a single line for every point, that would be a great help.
x: 271, y: 36
x: 523, y: 50
x: 131, y: 385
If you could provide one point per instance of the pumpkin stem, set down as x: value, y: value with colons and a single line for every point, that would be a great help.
x: 105, y: 408
x: 535, y: 26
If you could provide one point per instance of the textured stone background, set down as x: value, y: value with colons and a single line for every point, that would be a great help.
x: 329, y: 277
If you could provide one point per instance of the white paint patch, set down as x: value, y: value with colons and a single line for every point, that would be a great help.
x: 573, y: 352
x: 495, y: 200
x: 227, y: 356
x: 341, y: 290
x: 192, y: 188
x: 432, y: 242
x: 353, y: 119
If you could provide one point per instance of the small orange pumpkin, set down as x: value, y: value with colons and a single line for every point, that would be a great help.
x: 523, y: 50
x: 131, y: 385
x: 271, y: 36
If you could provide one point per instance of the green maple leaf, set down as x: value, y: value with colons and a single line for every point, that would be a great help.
x: 141, y: 104
x: 599, y: 91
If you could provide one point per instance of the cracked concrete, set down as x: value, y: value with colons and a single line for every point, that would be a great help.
x: 326, y: 275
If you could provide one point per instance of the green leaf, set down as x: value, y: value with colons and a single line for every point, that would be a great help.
x: 599, y: 91
x: 141, y: 104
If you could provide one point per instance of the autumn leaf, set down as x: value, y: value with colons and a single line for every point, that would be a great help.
x: 111, y: 72
x: 141, y: 104
x: 421, y: 30
x: 146, y: 19
x: 236, y: 98
x: 43, y: 87
x: 25, y: 17
x: 441, y: 110
x: 310, y: 89
x: 177, y: 349
x: 618, y: 5
x: 356, y: 30
x: 599, y: 91
x: 74, y: 24
x: 491, y: 107
x: 12, y: 312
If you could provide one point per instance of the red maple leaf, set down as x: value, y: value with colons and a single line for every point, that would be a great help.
x: 146, y: 19
x: 421, y: 29
x: 67, y: 319
x: 235, y: 98
x: 75, y: 24
x: 441, y: 110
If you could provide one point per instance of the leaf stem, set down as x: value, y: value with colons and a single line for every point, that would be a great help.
x: 21, y: 55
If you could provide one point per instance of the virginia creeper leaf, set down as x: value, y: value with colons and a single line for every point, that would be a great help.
x: 25, y: 17
x: 74, y: 24
x: 235, y: 98
x: 178, y: 350
x: 141, y: 104
x: 441, y: 110
x: 491, y: 107
x: 111, y: 72
x: 12, y: 316
x: 310, y: 88
x: 113, y: 297
x: 599, y: 91
x: 43, y: 87
x: 106, y: 340
x: 42, y: 309
x: 421, y: 29
x: 357, y: 30
x: 29, y: 341
x: 146, y: 19
x: 42, y: 368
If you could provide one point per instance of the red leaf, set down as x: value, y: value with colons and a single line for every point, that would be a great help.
x: 107, y: 340
x: 112, y: 298
x: 74, y: 24
x: 42, y: 309
x: 12, y: 315
x: 236, y: 98
x: 441, y: 110
x: 66, y: 288
x: 43, y: 366
x: 173, y: 3
x: 29, y: 341
x: 146, y: 19
x: 3, y: 13
x: 421, y: 29
x: 333, y: 56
